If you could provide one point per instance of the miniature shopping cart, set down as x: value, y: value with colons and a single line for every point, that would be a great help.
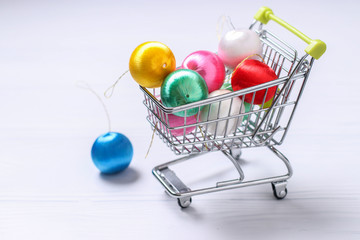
x: 262, y: 125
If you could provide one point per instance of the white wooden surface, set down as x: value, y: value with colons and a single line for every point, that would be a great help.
x: 49, y: 188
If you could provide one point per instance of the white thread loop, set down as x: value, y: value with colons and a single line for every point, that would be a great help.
x: 220, y: 25
x: 250, y: 56
x: 152, y: 140
x: 86, y: 86
x: 109, y: 92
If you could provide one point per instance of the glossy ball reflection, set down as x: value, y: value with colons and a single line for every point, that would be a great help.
x: 209, y: 66
x: 181, y: 87
x: 236, y: 45
x: 150, y: 63
x: 112, y: 152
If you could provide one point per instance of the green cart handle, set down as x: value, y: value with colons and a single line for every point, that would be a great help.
x: 316, y: 47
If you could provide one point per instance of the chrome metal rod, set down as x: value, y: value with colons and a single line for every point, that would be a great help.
x: 220, y: 186
x: 277, y: 98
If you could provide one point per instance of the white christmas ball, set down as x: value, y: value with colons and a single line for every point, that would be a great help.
x: 226, y: 108
x: 236, y: 45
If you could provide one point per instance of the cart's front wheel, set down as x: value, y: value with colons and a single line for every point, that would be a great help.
x: 184, y: 202
x: 279, y: 189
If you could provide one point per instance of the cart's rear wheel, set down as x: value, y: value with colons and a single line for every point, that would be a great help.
x: 184, y: 202
x: 282, y: 195
x: 279, y: 189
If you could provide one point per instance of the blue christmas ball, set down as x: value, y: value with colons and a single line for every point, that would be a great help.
x: 112, y: 152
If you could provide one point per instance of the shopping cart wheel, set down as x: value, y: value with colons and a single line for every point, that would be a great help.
x: 279, y: 189
x: 184, y: 202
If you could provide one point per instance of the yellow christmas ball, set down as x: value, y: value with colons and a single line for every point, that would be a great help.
x: 150, y: 63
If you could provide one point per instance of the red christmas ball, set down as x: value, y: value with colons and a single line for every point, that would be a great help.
x: 250, y: 73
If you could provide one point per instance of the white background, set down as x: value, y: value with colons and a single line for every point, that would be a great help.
x: 49, y: 188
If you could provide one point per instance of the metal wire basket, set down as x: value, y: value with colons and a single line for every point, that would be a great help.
x: 263, y: 125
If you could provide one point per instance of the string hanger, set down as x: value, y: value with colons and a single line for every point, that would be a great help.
x: 109, y: 92
x: 86, y: 86
x: 152, y: 140
x: 250, y: 56
x: 220, y: 25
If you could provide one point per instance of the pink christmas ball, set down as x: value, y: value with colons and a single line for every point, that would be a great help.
x: 176, y: 121
x: 209, y: 66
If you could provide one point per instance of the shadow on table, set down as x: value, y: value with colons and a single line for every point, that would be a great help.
x: 127, y: 176
x: 256, y: 215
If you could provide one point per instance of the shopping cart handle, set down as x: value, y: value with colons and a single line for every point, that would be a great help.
x: 316, y: 48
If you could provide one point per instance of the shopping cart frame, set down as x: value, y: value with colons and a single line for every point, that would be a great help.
x: 260, y: 128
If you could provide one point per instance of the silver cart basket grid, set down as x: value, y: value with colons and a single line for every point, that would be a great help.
x: 262, y: 125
